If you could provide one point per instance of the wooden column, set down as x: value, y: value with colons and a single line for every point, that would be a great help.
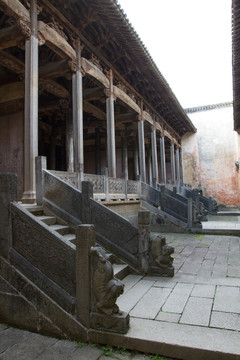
x: 125, y: 155
x: 178, y: 167
x: 98, y: 151
x: 77, y: 95
x: 163, y: 160
x: 154, y: 156
x: 173, y: 165
x: 142, y: 150
x: 135, y: 161
x: 31, y: 108
x: 141, y: 142
x: 69, y: 142
x: 111, y: 148
x: 150, y: 177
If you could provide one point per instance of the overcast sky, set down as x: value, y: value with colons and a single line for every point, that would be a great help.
x: 190, y: 42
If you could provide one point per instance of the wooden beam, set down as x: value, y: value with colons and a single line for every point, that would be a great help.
x: 11, y: 62
x: 126, y: 117
x: 53, y: 69
x: 54, y: 88
x: 15, y: 9
x: 93, y: 110
x: 147, y: 117
x: 12, y: 91
x: 56, y: 42
x: 93, y: 93
x: 119, y: 93
x: 93, y: 71
x: 9, y: 37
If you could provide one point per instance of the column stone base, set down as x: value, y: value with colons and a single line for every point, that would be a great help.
x: 29, y: 197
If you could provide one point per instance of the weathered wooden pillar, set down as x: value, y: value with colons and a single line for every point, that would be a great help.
x: 154, y: 156
x: 163, y: 160
x: 111, y: 148
x: 77, y: 102
x: 31, y: 108
x: 178, y: 168
x: 173, y: 165
x: 135, y: 161
x: 125, y: 155
x: 149, y: 162
x: 69, y: 142
x: 141, y: 141
x: 98, y: 151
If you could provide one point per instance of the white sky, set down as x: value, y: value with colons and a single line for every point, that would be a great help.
x: 190, y: 42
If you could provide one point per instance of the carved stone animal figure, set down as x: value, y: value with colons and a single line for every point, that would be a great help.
x: 160, y: 252
x: 106, y: 288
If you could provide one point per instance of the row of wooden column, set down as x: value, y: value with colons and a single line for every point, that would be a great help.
x: 74, y: 128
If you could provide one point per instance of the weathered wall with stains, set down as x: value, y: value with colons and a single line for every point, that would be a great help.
x: 11, y: 147
x: 209, y: 156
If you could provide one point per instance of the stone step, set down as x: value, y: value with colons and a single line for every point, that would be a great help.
x: 61, y: 229
x: 48, y: 220
x: 70, y: 237
x: 34, y: 209
x: 120, y: 271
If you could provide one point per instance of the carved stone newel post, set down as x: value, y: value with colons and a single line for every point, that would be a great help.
x: 31, y: 106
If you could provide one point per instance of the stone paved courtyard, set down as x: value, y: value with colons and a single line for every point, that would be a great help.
x: 194, y: 315
x: 205, y: 290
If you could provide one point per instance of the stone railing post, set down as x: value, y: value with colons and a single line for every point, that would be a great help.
x: 8, y: 193
x: 40, y: 164
x: 85, y: 239
x: 87, y: 194
x: 144, y: 225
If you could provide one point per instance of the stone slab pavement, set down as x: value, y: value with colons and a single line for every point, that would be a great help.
x: 200, y: 305
x: 193, y: 316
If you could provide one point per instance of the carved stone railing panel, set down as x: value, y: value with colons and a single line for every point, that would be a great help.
x: 70, y: 178
x: 133, y: 187
x: 150, y: 194
x: 61, y: 195
x: 115, y: 232
x: 46, y: 251
x: 116, y: 186
x: 97, y: 181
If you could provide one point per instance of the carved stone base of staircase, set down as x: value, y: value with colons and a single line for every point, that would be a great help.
x: 114, y: 323
x: 168, y: 272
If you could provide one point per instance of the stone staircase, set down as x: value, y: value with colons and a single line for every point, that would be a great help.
x: 55, y: 224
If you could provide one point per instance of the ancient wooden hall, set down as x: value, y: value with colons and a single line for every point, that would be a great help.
x: 78, y: 86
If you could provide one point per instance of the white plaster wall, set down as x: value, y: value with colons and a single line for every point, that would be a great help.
x: 209, y: 156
